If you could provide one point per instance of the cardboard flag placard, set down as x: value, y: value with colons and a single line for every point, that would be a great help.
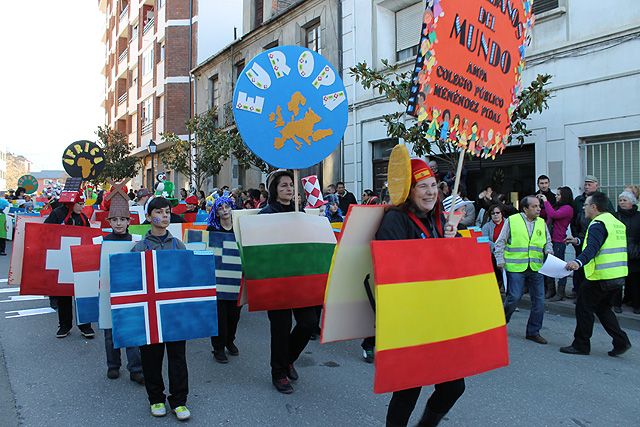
x: 85, y: 260
x: 228, y: 265
x: 439, y: 315
x: 109, y: 248
x: 17, y: 253
x: 177, y: 230
x: 162, y: 296
x: 288, y: 266
x: 347, y: 311
x: 47, y: 247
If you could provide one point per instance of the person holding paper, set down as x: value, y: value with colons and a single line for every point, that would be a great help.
x: 520, y: 250
x: 604, y: 261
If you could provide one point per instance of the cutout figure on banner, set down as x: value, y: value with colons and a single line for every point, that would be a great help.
x: 83, y: 159
x: 29, y: 183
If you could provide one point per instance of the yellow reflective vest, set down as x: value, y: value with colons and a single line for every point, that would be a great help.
x: 524, y: 251
x: 611, y: 260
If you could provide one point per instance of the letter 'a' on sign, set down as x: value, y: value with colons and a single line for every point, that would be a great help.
x: 291, y: 118
x: 467, y: 75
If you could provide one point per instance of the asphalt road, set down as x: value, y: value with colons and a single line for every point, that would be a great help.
x: 49, y: 381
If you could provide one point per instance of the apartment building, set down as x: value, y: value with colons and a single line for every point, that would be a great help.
x: 267, y: 24
x: 3, y: 167
x: 150, y: 47
x: 592, y: 125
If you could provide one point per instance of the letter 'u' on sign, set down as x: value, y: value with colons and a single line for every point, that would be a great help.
x: 305, y: 64
x: 325, y: 78
x: 259, y: 77
x: 253, y: 105
x: 279, y: 64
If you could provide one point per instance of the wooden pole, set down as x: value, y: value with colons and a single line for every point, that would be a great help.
x: 456, y: 185
x: 296, y: 190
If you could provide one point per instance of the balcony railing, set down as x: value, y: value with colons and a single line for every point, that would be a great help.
x: 122, y: 98
x: 147, y: 128
x: 124, y: 13
x: 148, y: 25
x: 123, y: 55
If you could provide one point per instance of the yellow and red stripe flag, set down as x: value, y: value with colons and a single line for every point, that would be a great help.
x: 439, y: 315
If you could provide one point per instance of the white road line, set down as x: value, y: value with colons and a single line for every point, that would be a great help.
x: 30, y: 312
x: 13, y: 298
x: 9, y: 290
x: 4, y: 280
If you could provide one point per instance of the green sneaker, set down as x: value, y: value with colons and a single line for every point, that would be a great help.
x: 182, y: 413
x: 158, y: 410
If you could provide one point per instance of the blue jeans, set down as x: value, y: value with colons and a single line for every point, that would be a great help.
x: 134, y: 363
x: 515, y: 288
x: 559, y: 250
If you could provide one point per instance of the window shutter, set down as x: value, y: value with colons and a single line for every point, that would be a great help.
x: 409, y: 26
x: 540, y: 6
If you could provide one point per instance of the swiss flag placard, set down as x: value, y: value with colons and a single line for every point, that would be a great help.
x: 47, y: 246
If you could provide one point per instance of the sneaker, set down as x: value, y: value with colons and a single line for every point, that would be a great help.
x: 283, y: 385
x: 292, y: 374
x: 87, y: 331
x: 368, y: 356
x: 63, y: 331
x: 233, y: 350
x: 113, y: 373
x: 137, y: 377
x: 220, y: 356
x: 158, y: 410
x: 182, y: 413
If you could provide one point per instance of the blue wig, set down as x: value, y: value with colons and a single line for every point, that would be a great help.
x: 213, y: 219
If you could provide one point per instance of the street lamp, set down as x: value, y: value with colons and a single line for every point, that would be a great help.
x: 152, y: 147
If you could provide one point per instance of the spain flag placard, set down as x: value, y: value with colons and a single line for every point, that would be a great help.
x: 439, y: 315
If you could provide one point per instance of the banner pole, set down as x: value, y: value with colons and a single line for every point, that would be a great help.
x: 296, y: 190
x: 456, y: 185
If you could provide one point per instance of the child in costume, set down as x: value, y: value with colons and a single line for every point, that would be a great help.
x: 159, y: 238
x: 119, y: 219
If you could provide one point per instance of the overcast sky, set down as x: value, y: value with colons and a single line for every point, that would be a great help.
x: 50, y: 80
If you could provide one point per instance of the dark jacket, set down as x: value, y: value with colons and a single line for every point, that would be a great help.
x: 335, y: 217
x: 155, y: 243
x: 58, y: 215
x: 580, y: 223
x: 551, y: 197
x: 345, y: 201
x: 126, y: 237
x: 396, y: 225
x: 631, y: 219
x: 276, y: 207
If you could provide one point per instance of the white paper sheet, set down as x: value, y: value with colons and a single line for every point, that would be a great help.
x: 554, y: 267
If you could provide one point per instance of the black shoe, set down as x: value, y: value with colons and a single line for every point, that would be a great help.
x: 233, y: 350
x: 220, y: 356
x: 283, y: 385
x: 3, y: 254
x: 313, y: 337
x: 137, y: 377
x: 618, y: 351
x: 292, y: 374
x: 537, y: 339
x: 63, y: 331
x: 113, y: 373
x: 636, y: 311
x: 617, y: 309
x: 87, y: 331
x: 572, y: 350
x: 430, y: 418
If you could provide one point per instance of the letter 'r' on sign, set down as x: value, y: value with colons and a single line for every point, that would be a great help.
x: 279, y: 64
x: 259, y: 77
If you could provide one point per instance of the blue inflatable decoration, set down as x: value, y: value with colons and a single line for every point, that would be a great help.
x: 290, y: 106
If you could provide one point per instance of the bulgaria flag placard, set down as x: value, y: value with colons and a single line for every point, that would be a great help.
x: 286, y: 259
x: 439, y: 315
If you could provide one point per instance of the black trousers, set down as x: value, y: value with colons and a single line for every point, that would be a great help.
x: 441, y: 401
x: 152, y: 356
x: 368, y: 343
x: 287, y: 344
x: 65, y: 312
x: 593, y: 300
x: 631, y: 291
x: 228, y: 318
x: 3, y: 245
x: 578, y: 275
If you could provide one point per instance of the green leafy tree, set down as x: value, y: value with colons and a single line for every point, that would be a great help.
x: 209, y: 148
x: 117, y: 152
x: 396, y: 85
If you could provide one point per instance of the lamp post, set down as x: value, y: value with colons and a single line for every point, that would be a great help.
x: 152, y: 147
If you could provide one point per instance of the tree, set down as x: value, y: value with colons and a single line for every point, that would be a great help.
x: 120, y: 164
x: 395, y: 85
x: 209, y: 148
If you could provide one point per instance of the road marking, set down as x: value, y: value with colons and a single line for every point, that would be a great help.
x: 4, y: 280
x: 8, y: 290
x: 30, y: 312
x: 13, y: 298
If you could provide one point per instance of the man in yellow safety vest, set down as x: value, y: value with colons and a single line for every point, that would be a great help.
x: 604, y: 259
x: 520, y: 250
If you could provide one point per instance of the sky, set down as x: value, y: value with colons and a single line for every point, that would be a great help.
x: 50, y: 81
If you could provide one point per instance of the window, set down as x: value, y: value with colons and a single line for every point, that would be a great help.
x: 161, y: 52
x: 271, y: 45
x: 146, y: 115
x: 257, y: 13
x: 238, y: 70
x: 160, y: 106
x: 134, y: 32
x: 408, y: 27
x: 381, y: 150
x: 214, y: 91
x: 614, y: 163
x: 312, y: 38
x: 540, y: 6
x: 160, y: 3
x: 147, y: 64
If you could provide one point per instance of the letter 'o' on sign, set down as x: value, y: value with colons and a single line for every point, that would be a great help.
x: 290, y: 106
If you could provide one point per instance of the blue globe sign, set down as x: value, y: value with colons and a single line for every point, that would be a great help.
x: 290, y: 106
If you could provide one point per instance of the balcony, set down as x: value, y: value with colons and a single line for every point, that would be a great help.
x: 133, y: 99
x: 122, y: 106
x: 123, y: 98
x: 134, y: 7
x: 123, y: 22
x: 148, y: 26
x: 123, y: 57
